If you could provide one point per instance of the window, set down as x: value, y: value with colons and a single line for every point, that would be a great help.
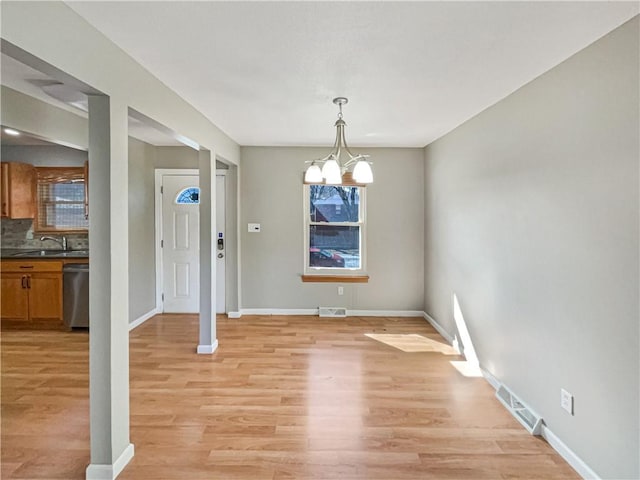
x: 334, y: 230
x: 190, y: 195
x: 60, y: 200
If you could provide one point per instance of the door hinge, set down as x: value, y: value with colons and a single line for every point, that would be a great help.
x: 161, y: 189
x: 163, y: 297
x: 161, y: 243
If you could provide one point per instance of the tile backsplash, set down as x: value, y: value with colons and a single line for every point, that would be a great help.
x: 19, y: 234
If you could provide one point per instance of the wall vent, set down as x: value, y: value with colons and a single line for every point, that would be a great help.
x: 529, y: 419
x: 332, y: 312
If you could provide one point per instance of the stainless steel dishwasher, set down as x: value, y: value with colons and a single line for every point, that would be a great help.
x: 75, y: 304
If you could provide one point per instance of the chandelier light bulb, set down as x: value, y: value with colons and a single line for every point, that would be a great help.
x: 331, y: 172
x: 313, y: 174
x: 362, y: 172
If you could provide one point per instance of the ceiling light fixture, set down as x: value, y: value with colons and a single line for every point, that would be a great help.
x: 11, y: 131
x: 333, y: 165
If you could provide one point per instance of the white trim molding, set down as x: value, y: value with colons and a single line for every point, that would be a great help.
x: 143, y: 318
x: 558, y: 445
x: 208, y: 349
x: 488, y: 376
x: 314, y: 311
x: 279, y: 311
x: 569, y: 455
x: 110, y: 472
x: 439, y: 328
x: 384, y: 313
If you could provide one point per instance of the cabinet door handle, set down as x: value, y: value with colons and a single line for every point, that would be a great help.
x: 24, y: 281
x: 28, y: 281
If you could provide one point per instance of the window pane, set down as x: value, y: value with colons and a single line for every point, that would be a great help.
x: 334, y: 246
x: 61, y: 205
x: 65, y: 215
x: 67, y: 192
x: 334, y: 203
x: 189, y: 195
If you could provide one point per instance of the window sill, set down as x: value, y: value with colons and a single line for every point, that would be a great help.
x: 336, y: 278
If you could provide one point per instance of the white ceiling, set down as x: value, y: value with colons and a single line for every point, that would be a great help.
x: 266, y: 72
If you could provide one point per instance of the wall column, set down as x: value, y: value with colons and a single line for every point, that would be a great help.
x: 208, y: 341
x: 111, y: 449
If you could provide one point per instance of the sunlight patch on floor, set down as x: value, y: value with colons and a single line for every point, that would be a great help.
x: 468, y: 369
x: 412, y: 343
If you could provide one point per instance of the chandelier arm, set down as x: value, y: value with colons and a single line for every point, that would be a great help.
x: 333, y: 165
x: 346, y: 147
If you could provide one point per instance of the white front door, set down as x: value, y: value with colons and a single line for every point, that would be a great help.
x: 180, y: 243
x: 221, y: 255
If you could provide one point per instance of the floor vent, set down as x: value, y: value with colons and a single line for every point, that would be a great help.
x: 332, y: 312
x: 529, y: 419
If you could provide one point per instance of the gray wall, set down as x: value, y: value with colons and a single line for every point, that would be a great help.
x: 142, y: 275
x: 272, y: 261
x: 180, y: 157
x: 44, y: 156
x: 531, y: 213
x: 176, y: 157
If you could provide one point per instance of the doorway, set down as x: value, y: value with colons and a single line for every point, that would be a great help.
x: 177, y: 241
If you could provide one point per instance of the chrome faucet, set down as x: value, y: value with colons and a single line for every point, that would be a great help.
x: 62, y: 241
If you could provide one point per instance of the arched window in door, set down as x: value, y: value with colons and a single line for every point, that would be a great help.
x: 189, y: 195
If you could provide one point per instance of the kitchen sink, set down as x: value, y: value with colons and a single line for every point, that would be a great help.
x: 53, y: 253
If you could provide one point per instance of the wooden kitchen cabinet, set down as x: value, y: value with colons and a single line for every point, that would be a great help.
x: 31, y: 292
x: 15, y: 300
x: 18, y: 182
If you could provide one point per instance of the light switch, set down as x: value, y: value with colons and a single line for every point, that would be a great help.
x: 254, y: 228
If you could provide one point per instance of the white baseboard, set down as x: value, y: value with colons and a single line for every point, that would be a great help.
x: 314, y: 311
x: 208, y: 349
x: 384, y: 313
x: 110, y: 472
x: 143, y: 318
x: 552, y: 439
x: 279, y: 311
x: 234, y: 314
x: 569, y: 455
x: 439, y: 328
x: 488, y: 376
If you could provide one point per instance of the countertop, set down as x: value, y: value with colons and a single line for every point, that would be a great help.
x: 30, y: 253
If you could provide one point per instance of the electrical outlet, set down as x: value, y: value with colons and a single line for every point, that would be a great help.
x: 340, y: 290
x: 566, y: 400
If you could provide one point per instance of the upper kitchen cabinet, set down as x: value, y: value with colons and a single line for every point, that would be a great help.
x: 18, y: 190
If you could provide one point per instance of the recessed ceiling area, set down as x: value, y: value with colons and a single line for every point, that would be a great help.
x: 265, y: 72
x: 24, y: 79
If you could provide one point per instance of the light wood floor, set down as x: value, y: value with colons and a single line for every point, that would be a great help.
x: 282, y: 398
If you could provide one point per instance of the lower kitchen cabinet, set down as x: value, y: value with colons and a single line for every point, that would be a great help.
x: 15, y: 299
x: 31, y: 292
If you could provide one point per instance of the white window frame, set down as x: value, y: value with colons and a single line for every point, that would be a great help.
x: 362, y: 223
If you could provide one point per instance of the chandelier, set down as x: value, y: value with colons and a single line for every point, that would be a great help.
x: 340, y: 160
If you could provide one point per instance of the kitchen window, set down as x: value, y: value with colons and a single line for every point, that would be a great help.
x: 334, y: 240
x: 61, y: 201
